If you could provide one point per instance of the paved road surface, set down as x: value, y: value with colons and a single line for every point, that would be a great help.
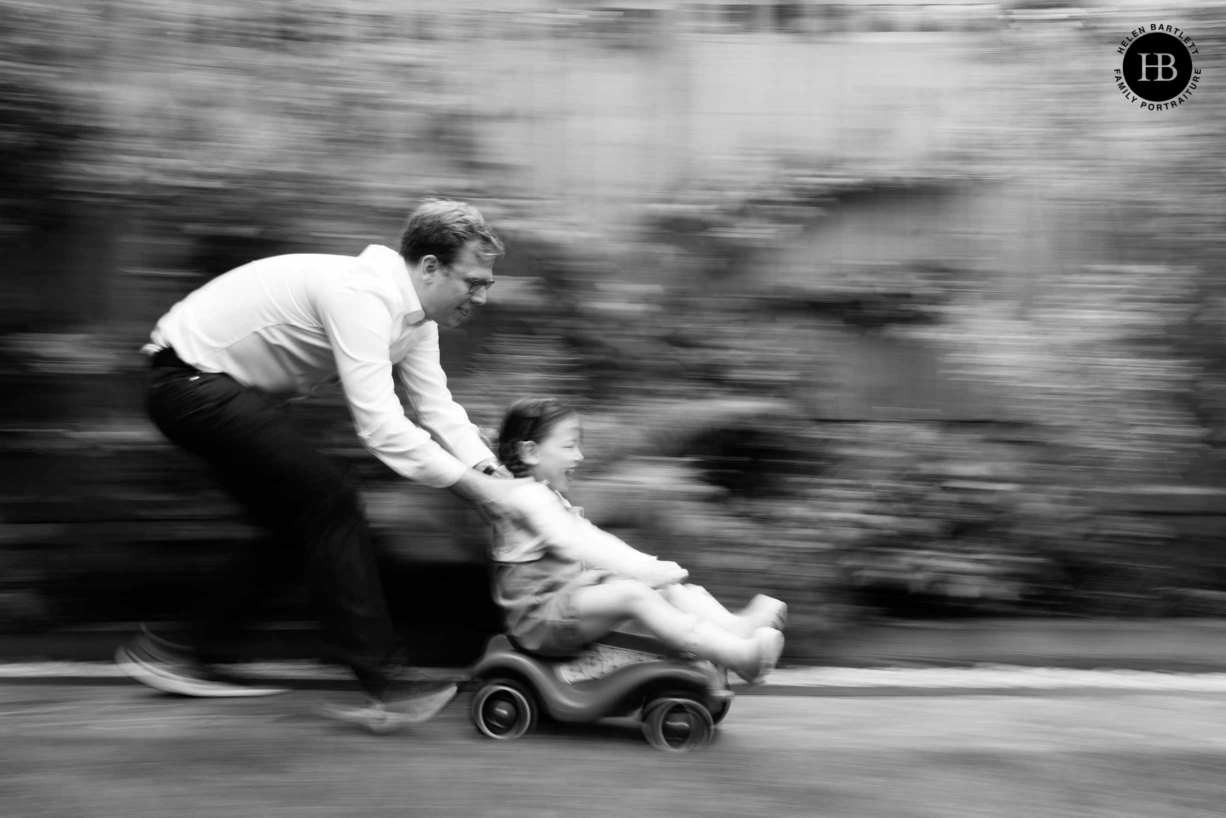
x: 103, y: 749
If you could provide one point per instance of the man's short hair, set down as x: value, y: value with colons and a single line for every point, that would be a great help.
x: 441, y: 228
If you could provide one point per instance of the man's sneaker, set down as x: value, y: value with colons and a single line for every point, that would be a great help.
x: 168, y: 667
x: 386, y: 717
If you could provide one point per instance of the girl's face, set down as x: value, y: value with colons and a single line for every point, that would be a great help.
x: 555, y: 456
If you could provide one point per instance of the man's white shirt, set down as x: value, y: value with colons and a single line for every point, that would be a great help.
x: 288, y: 324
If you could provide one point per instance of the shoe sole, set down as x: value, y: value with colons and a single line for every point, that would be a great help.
x: 152, y: 676
x: 381, y: 721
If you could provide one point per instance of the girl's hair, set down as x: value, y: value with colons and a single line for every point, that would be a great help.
x: 528, y: 419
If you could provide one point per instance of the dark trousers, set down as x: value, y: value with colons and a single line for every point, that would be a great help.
x: 312, y: 513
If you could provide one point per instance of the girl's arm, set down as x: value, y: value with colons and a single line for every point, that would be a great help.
x: 576, y: 538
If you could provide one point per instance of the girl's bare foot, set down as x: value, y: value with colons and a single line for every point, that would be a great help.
x: 765, y: 612
x: 767, y: 649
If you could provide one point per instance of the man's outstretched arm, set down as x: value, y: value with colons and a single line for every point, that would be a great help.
x: 359, y: 327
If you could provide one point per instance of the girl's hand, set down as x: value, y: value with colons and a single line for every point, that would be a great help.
x: 667, y: 573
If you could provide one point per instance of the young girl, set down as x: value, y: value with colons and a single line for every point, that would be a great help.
x: 562, y: 582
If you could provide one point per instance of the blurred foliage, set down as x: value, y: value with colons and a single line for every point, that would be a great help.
x: 706, y: 386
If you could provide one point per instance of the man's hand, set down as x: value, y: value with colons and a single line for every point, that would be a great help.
x: 490, y: 494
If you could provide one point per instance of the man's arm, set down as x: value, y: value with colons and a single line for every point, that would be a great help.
x: 359, y: 325
x: 492, y: 467
x: 425, y: 385
x: 493, y: 495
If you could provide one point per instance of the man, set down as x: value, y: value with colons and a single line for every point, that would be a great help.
x: 227, y: 356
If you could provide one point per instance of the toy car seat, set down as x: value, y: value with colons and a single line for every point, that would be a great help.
x: 681, y: 699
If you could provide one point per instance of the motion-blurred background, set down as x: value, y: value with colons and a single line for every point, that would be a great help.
x: 893, y: 310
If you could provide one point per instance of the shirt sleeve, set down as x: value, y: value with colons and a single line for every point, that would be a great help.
x: 574, y: 537
x: 359, y: 325
x: 425, y: 384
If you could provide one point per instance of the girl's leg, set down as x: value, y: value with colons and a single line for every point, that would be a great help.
x: 765, y: 612
x: 761, y: 612
x: 694, y: 599
x: 600, y: 608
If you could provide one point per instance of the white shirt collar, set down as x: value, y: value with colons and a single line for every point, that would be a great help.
x: 388, y: 261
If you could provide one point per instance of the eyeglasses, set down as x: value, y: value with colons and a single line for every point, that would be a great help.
x: 475, y: 285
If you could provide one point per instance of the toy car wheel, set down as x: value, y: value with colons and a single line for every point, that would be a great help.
x: 677, y: 724
x: 504, y: 709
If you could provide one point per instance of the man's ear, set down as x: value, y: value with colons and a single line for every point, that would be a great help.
x: 528, y: 452
x: 429, y: 267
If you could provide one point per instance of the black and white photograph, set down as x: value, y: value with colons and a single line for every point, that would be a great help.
x: 511, y: 408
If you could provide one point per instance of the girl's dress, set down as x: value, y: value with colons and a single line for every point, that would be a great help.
x: 540, y: 561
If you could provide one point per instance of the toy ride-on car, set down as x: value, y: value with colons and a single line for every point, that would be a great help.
x: 680, y: 699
